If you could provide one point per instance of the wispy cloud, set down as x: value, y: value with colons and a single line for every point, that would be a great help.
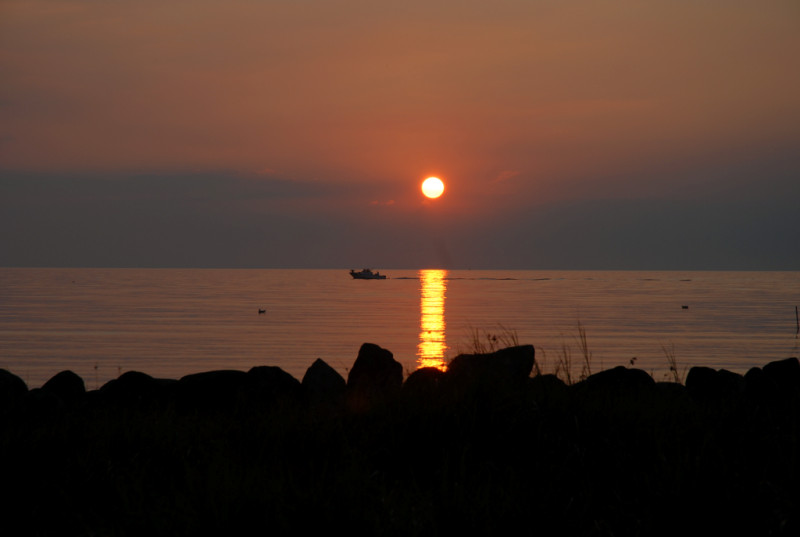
x: 505, y: 175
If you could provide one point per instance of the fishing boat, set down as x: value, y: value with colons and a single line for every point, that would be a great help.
x: 367, y: 274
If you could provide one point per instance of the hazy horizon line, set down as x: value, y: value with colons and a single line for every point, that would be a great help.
x: 177, y: 267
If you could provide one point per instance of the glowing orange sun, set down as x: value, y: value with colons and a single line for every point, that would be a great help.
x: 432, y: 187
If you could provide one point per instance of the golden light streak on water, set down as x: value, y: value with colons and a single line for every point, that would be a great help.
x: 432, y: 342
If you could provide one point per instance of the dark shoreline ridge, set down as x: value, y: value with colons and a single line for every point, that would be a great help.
x: 484, y: 448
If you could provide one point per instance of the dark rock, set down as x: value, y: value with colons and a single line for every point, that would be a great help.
x: 68, y: 386
x: 613, y: 389
x: 671, y: 390
x: 758, y: 386
x: 135, y: 388
x: 212, y: 390
x: 701, y: 381
x: 705, y: 383
x: 784, y: 373
x: 733, y: 380
x: 12, y: 389
x: 755, y: 374
x: 375, y: 377
x: 619, y: 379
x: 424, y: 383
x: 322, y: 382
x: 774, y: 388
x: 270, y: 384
x: 548, y: 382
x: 671, y: 398
x: 548, y: 387
x: 512, y: 364
x: 43, y: 405
x: 375, y: 367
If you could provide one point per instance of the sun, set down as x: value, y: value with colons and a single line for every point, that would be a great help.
x: 432, y: 187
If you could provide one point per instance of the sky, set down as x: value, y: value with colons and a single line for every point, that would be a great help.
x: 586, y: 134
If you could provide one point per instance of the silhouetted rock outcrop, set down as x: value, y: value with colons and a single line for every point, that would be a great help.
x: 271, y: 384
x: 323, y: 383
x: 375, y: 376
x: 483, y: 448
x: 424, y: 379
x: 212, y: 390
x: 775, y: 389
x: 705, y: 383
x: 12, y: 389
x: 509, y: 365
x: 67, y: 385
x: 784, y: 373
x: 549, y: 389
x: 424, y: 384
x: 375, y: 366
x: 619, y: 379
x: 136, y: 388
x: 671, y: 391
x: 758, y: 386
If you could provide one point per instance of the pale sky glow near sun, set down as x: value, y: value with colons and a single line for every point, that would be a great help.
x: 570, y: 135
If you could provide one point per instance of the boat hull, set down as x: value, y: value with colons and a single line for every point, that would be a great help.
x: 367, y: 274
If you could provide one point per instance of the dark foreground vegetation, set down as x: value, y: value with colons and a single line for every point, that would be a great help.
x: 482, y: 449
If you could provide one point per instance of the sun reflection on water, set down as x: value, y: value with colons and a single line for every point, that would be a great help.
x: 432, y: 343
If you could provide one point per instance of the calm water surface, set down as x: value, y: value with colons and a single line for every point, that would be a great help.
x: 168, y: 323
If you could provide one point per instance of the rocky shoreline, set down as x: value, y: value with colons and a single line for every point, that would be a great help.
x: 483, y: 448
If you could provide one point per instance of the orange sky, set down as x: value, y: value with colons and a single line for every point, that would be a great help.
x: 516, y: 104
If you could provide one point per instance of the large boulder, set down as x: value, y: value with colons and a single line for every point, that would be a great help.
x: 375, y: 377
x: 43, y: 406
x: 706, y: 384
x: 271, y: 384
x: 67, y: 386
x: 509, y: 365
x: 671, y: 391
x: 784, y: 373
x: 12, y: 389
x: 776, y: 385
x: 613, y: 389
x: 619, y: 379
x: 375, y: 367
x: 136, y: 388
x: 758, y: 386
x: 424, y: 385
x: 222, y: 390
x: 323, y: 383
x: 549, y: 390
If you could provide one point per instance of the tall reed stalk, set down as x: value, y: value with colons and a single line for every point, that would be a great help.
x: 583, y: 347
x: 669, y: 353
x: 564, y: 364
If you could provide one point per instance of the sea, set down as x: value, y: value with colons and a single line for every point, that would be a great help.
x: 168, y: 323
